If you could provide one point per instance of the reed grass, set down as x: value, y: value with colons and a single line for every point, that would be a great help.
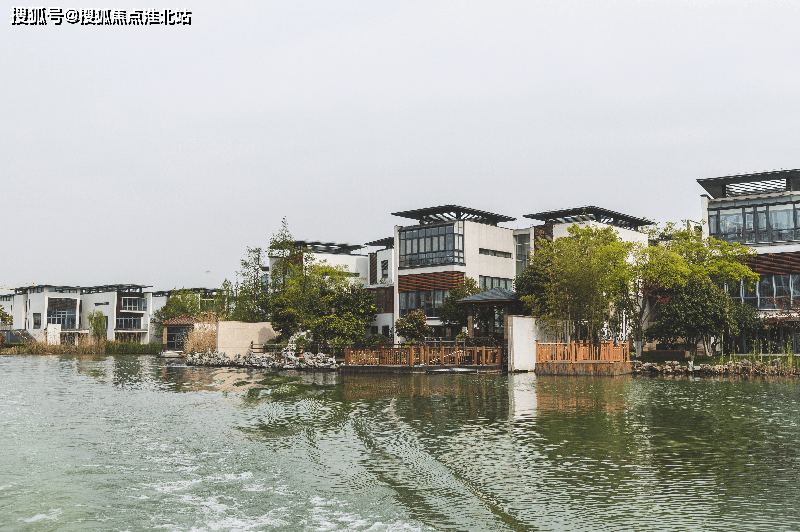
x: 204, y: 335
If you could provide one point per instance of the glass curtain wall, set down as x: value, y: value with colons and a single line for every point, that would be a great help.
x: 754, y: 224
x: 432, y: 245
x: 428, y: 301
x: 771, y: 292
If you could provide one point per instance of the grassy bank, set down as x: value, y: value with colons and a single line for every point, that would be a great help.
x: 102, y: 347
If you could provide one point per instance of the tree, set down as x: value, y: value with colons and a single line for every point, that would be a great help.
x: 698, y: 307
x: 452, y: 312
x: 698, y: 311
x: 653, y: 273
x: 6, y: 318
x: 413, y: 326
x: 721, y: 261
x: 573, y: 281
x: 251, y: 297
x: 349, y: 309
x: 180, y: 302
x: 97, y: 324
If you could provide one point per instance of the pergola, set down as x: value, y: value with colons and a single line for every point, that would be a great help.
x: 493, y: 298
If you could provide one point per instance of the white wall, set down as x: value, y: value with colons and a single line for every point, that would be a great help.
x: 108, y: 306
x: 626, y: 235
x: 478, y: 235
x: 522, y: 336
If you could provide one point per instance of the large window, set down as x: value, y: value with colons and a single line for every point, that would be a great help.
x: 770, y: 292
x: 432, y: 245
x: 754, y: 224
x: 125, y: 323
x: 522, y: 244
x: 428, y: 301
x: 134, y: 303
x: 493, y: 282
x: 62, y: 311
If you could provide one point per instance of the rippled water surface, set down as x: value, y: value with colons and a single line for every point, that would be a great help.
x: 139, y: 443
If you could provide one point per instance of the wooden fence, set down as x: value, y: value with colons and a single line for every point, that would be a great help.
x: 423, y: 355
x: 582, y: 352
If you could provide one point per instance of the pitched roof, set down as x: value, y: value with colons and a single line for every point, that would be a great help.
x: 493, y: 294
x: 180, y: 320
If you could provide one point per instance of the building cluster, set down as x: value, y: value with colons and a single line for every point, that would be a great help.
x: 415, y: 266
x: 127, y: 310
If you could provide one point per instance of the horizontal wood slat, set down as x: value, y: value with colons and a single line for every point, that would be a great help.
x: 429, y: 281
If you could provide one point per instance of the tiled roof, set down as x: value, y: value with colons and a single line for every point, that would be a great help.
x: 180, y: 320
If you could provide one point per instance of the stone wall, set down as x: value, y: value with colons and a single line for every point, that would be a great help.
x: 583, y: 368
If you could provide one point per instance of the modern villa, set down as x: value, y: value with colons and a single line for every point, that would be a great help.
x: 762, y: 211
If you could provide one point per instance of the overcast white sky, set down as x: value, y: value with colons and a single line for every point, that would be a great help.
x: 156, y: 155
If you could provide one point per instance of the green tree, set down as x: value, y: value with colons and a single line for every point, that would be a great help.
x: 251, y: 295
x: 6, y: 318
x: 653, y: 273
x: 572, y: 282
x: 722, y: 262
x: 413, y: 326
x: 698, y: 311
x: 97, y: 324
x: 452, y: 312
x: 180, y: 302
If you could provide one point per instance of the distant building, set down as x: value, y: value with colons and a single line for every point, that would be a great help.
x: 127, y: 309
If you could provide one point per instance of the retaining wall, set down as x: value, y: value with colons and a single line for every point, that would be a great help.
x: 583, y: 368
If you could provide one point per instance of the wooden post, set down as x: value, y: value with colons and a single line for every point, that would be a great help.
x: 483, y: 355
x: 470, y: 323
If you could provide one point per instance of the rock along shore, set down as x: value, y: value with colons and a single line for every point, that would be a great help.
x: 744, y: 367
x: 285, y: 359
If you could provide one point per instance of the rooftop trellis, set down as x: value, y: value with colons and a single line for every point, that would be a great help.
x: 326, y: 247
x: 452, y: 213
x: 752, y: 184
x: 590, y: 214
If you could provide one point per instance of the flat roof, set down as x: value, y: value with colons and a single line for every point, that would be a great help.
x: 754, y: 183
x: 452, y: 213
x: 590, y: 213
x: 327, y: 247
x: 86, y: 289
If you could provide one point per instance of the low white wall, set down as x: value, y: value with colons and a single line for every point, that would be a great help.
x: 522, y: 336
x: 234, y: 337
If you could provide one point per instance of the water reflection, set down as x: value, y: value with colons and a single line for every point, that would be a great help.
x: 382, y: 452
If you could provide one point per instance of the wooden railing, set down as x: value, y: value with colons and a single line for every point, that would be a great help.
x: 417, y: 355
x: 582, y: 352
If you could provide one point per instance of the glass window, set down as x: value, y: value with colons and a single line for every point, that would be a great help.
x: 37, y: 320
x: 429, y: 247
x: 730, y: 221
x: 781, y: 221
x: 712, y: 224
x: 766, y: 293
x: 782, y: 290
x: 795, y: 279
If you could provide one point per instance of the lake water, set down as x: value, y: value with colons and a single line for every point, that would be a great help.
x: 138, y: 443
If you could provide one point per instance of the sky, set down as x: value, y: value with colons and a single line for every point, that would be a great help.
x: 156, y: 155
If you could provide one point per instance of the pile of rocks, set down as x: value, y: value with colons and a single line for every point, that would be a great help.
x: 285, y: 359
x: 745, y: 367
